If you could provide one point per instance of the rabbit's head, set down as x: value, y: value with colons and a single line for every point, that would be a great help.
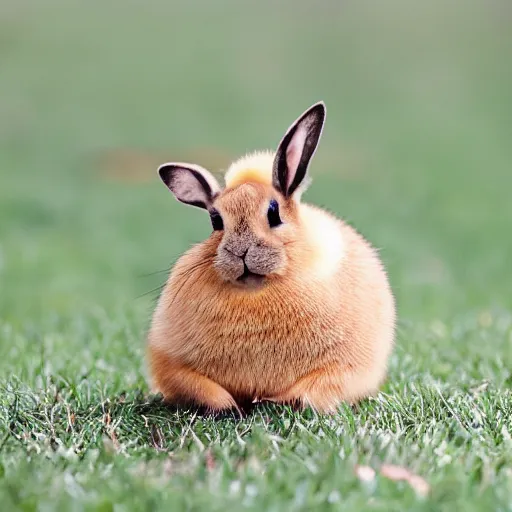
x: 256, y: 217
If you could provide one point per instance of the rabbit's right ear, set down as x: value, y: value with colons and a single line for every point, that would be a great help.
x: 190, y: 184
x: 296, y: 150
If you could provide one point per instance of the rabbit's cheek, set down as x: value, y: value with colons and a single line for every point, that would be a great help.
x: 264, y: 260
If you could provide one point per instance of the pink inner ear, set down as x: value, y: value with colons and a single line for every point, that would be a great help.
x: 294, y: 153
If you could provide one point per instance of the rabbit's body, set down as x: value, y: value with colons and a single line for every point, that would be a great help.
x: 318, y: 331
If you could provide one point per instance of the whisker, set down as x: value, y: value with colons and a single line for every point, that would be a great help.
x: 168, y: 269
x: 195, y: 267
x: 159, y: 288
x: 156, y: 272
x: 187, y: 275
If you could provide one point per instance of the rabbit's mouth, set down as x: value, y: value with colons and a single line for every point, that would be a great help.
x: 250, y: 279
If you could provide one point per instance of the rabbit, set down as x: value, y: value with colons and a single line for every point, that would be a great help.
x: 283, y: 302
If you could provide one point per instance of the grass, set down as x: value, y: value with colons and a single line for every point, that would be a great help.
x: 416, y: 154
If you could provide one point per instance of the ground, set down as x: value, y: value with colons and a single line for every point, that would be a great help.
x: 416, y: 154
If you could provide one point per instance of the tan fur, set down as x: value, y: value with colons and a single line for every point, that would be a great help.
x: 254, y: 167
x: 319, y: 331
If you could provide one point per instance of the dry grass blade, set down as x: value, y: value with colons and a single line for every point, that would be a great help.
x: 365, y: 473
x: 399, y: 473
x: 209, y: 460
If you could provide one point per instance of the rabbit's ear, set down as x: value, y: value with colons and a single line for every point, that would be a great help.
x: 190, y: 184
x: 296, y: 149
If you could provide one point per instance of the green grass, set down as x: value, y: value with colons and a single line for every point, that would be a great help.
x: 416, y: 154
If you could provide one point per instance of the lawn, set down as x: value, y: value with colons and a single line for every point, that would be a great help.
x: 416, y: 154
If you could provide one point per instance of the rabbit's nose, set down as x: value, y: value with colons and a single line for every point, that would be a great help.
x: 239, y: 254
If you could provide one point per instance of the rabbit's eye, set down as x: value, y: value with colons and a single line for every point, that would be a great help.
x: 274, y: 219
x: 216, y: 219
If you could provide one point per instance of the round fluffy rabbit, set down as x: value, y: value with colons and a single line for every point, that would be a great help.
x: 283, y: 302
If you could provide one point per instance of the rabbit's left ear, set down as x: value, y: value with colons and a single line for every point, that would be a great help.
x: 296, y: 149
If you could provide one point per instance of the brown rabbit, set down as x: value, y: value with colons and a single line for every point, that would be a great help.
x: 282, y: 302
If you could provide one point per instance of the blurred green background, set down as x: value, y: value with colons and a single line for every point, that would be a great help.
x: 416, y: 153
